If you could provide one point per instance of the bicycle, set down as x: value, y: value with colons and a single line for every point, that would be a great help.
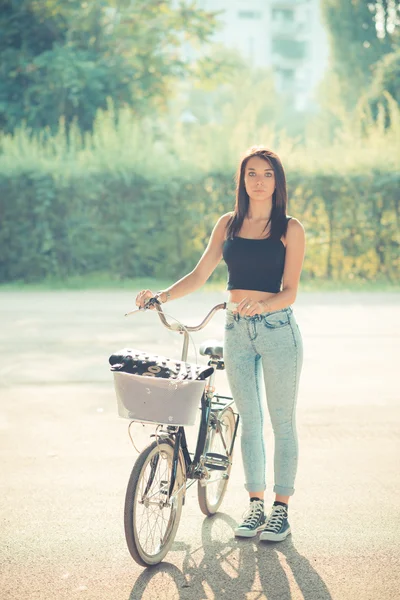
x: 158, y: 482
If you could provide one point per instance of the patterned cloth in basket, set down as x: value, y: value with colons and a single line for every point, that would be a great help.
x: 138, y: 362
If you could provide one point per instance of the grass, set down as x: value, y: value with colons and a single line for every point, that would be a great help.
x: 103, y: 281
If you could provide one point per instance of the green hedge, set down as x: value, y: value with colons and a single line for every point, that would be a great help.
x: 59, y: 223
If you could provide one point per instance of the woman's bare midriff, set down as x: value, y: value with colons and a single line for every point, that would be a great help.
x: 256, y: 295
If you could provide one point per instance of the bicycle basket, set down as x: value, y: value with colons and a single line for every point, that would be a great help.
x: 154, y: 389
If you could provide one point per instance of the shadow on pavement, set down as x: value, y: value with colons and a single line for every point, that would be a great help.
x: 228, y: 567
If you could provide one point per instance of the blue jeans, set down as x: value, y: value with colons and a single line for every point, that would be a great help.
x: 268, y: 344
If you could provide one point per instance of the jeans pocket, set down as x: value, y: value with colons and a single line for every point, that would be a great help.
x: 277, y: 320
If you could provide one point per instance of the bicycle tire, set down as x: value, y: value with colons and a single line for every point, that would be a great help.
x: 164, y: 530
x: 210, y: 496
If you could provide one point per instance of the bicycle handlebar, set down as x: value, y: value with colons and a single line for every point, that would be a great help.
x: 177, y: 326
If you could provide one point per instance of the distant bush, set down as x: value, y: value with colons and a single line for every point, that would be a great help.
x: 141, y: 199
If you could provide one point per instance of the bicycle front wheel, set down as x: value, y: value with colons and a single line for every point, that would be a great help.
x: 150, y: 518
x: 219, y: 439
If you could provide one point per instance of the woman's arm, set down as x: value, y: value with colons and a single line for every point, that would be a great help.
x: 202, y: 271
x: 295, y: 250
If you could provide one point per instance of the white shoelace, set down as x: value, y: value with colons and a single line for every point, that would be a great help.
x: 275, y: 519
x: 252, y: 514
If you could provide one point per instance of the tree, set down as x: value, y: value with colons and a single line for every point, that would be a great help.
x: 67, y: 58
x: 361, y: 33
x: 386, y: 77
x: 386, y: 80
x: 225, y: 98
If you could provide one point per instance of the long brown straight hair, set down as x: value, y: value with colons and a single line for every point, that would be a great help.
x: 278, y: 218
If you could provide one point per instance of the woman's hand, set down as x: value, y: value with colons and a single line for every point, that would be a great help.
x: 248, y: 307
x: 143, y: 297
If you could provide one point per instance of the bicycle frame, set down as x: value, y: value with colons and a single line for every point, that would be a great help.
x: 194, y: 468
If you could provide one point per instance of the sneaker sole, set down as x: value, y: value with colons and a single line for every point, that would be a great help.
x: 248, y: 533
x: 267, y: 536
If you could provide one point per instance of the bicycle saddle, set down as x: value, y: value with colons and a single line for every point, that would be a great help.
x: 212, y: 348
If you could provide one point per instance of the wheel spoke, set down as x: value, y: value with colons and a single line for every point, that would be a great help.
x: 152, y: 518
x: 153, y: 514
x: 214, y: 489
x: 219, y: 442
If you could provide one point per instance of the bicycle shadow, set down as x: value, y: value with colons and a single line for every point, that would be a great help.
x: 228, y: 567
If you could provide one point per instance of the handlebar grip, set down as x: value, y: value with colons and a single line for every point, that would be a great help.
x: 231, y: 305
x: 152, y: 302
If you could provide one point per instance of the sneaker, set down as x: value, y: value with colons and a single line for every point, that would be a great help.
x: 254, y: 520
x: 277, y: 526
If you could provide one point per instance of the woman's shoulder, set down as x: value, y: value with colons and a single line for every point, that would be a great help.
x: 224, y: 220
x: 227, y: 217
x: 295, y: 231
x: 221, y: 226
x: 293, y: 224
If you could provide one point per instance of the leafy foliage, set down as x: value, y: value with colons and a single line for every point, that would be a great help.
x: 141, y: 199
x: 385, y: 83
x: 361, y: 33
x: 65, y: 59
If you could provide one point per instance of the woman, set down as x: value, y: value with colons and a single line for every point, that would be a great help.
x: 264, y: 251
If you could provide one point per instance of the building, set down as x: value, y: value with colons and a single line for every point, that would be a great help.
x: 285, y: 35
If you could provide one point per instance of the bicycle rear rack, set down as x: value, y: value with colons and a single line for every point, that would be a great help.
x: 216, y: 405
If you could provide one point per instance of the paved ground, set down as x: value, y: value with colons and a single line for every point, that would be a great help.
x: 66, y: 459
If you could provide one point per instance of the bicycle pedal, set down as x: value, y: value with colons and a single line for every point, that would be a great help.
x: 216, y: 461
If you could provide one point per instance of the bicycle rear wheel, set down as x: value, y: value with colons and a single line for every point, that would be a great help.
x: 210, y: 496
x: 150, y: 519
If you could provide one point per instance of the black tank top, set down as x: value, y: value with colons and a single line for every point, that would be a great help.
x: 254, y: 264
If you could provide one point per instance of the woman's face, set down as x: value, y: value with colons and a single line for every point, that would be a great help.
x: 259, y: 179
